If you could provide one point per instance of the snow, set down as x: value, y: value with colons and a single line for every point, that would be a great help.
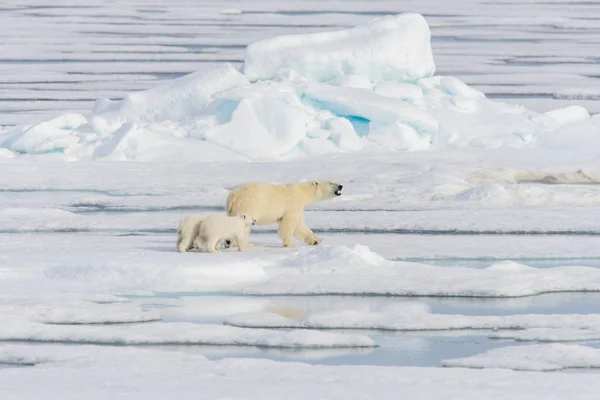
x: 569, y: 115
x: 485, y: 211
x: 83, y: 371
x: 553, y: 334
x: 409, y: 317
x: 390, y: 48
x: 175, y: 333
x: 76, y: 312
x: 537, y: 357
x: 342, y: 270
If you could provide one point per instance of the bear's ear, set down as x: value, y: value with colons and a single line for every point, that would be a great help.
x: 316, y: 183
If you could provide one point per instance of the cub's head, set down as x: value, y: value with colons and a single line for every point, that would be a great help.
x: 326, y: 189
x: 247, y: 218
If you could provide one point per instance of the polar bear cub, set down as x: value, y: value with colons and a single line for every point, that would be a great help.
x: 217, y: 227
x: 187, y: 231
x: 283, y: 204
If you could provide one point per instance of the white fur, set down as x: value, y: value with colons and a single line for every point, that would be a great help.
x: 284, y: 204
x: 187, y: 231
x: 217, y: 227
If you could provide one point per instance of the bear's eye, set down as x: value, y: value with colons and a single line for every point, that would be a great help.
x: 316, y: 183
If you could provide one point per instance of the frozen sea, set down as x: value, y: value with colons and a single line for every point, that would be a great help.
x: 468, y: 271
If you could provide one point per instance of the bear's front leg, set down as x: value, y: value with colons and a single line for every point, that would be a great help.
x: 242, y: 244
x: 303, y: 233
x: 211, y: 245
x: 287, y: 225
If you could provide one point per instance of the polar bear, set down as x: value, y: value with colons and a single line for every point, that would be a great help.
x: 217, y: 227
x: 269, y: 203
x: 188, y: 230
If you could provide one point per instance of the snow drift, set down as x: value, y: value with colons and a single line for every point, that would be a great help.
x: 369, y: 88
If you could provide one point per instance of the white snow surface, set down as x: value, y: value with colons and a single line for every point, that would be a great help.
x: 176, y: 333
x: 409, y: 317
x: 552, y: 334
x: 433, y: 170
x: 536, y: 357
x: 344, y: 270
x: 367, y: 89
x: 84, y: 371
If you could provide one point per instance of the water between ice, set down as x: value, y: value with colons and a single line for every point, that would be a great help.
x: 423, y: 348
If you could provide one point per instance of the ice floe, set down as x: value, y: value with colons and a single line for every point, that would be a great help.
x: 536, y: 357
x: 408, y: 317
x: 176, y: 333
x: 71, y: 372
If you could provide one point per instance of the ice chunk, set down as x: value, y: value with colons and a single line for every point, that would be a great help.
x: 369, y: 106
x: 569, y: 115
x: 390, y: 48
x: 262, y: 128
x: 343, y: 134
x: 134, y: 143
x: 171, y: 100
x: 398, y: 136
x: 354, y: 81
x: 5, y: 153
x: 455, y: 87
x: 399, y: 90
x: 537, y: 357
x: 55, y: 135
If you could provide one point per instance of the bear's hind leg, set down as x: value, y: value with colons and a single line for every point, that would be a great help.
x: 183, y: 243
x: 199, y: 242
x: 211, y: 244
x: 287, y: 225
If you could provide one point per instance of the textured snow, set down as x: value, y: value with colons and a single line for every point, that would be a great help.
x: 537, y: 357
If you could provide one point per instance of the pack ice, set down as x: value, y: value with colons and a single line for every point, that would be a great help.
x: 369, y: 88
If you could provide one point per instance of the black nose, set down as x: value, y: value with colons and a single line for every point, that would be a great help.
x: 340, y: 186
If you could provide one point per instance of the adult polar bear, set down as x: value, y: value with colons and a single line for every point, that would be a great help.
x: 269, y: 203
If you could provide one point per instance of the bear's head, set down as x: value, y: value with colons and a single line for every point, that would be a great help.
x: 326, y: 189
x: 247, y: 218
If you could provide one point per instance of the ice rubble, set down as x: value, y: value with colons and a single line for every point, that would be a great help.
x: 369, y: 88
